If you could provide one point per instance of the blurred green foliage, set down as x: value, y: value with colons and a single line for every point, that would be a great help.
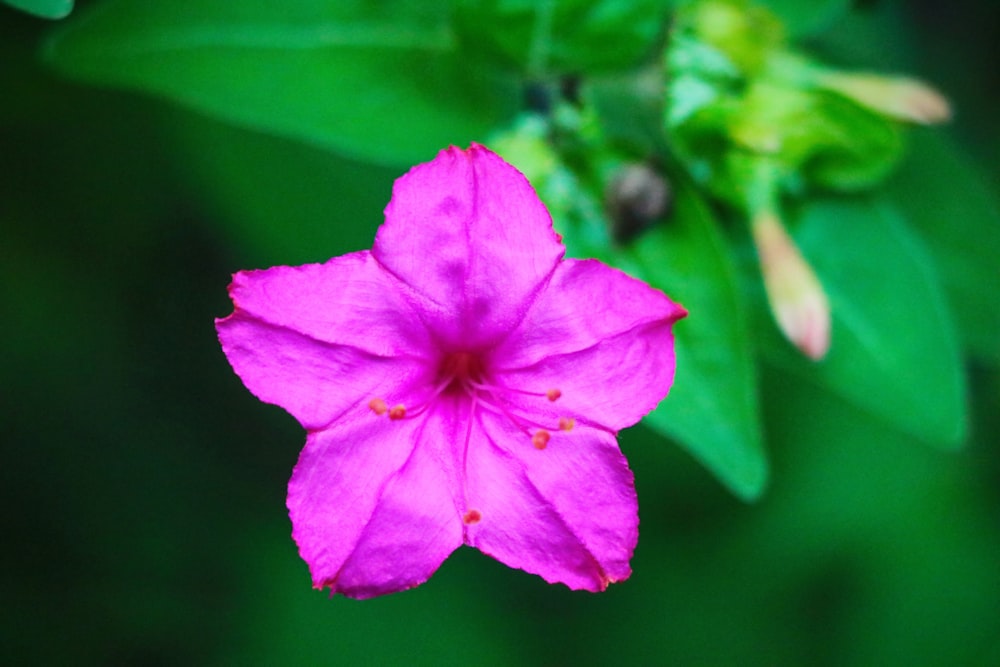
x: 308, y: 69
x: 143, y: 489
x: 49, y: 9
x: 881, y: 282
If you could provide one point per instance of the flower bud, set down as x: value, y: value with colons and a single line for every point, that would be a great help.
x: 796, y: 297
x: 902, y: 98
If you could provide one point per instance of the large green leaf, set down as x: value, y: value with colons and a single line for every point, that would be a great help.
x: 894, y: 351
x: 561, y: 36
x: 282, y: 201
x: 949, y: 202
x: 712, y: 409
x: 47, y: 9
x: 883, y: 531
x: 379, y: 81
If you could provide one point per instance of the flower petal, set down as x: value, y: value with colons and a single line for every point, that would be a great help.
x: 349, y: 300
x: 316, y: 382
x: 567, y: 512
x: 585, y: 302
x: 468, y: 234
x: 611, y: 385
x: 370, y: 506
x: 602, y: 338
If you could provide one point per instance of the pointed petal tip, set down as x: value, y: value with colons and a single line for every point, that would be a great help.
x: 473, y: 151
x: 320, y: 584
x: 477, y: 151
x: 361, y: 592
x: 599, y: 584
x: 607, y: 581
x: 679, y: 312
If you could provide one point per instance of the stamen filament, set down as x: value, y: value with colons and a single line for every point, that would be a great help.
x: 503, y: 412
x: 522, y: 422
x: 460, y: 373
x: 482, y: 386
x: 551, y: 394
x: 465, y: 456
x: 379, y: 406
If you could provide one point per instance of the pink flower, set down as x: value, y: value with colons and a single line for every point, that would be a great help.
x: 461, y: 383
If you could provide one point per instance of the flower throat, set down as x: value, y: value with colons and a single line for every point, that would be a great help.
x: 465, y: 374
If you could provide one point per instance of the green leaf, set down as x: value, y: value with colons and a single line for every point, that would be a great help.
x: 875, y: 38
x: 948, y: 201
x: 712, y: 409
x: 894, y: 351
x: 542, y: 37
x: 377, y: 81
x: 47, y: 9
x: 807, y: 18
x: 282, y: 202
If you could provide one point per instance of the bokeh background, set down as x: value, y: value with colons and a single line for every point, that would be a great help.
x: 142, y: 488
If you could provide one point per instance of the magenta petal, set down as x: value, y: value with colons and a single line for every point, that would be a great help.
x: 567, y: 513
x: 468, y: 234
x: 612, y: 384
x: 349, y: 300
x: 602, y: 338
x: 371, y: 508
x: 315, y: 381
x: 584, y: 303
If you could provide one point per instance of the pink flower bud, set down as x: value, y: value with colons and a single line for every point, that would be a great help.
x: 897, y: 97
x: 794, y: 293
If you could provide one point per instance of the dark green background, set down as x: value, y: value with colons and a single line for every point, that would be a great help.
x: 143, y: 488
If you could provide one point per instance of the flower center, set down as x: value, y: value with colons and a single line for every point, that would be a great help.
x: 461, y: 371
x: 465, y: 374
